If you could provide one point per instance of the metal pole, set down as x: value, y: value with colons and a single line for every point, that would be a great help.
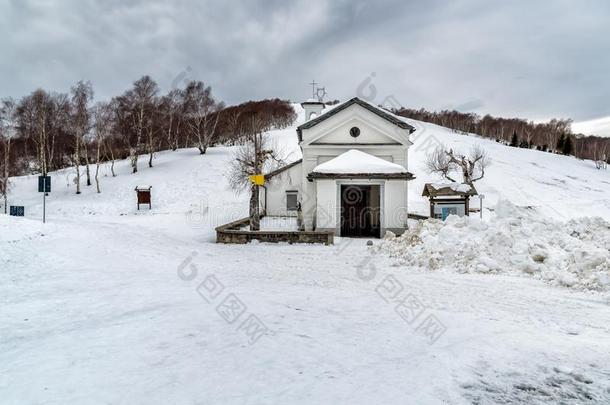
x: 44, y: 199
x: 481, y: 197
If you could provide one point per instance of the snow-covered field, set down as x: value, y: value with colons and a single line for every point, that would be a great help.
x: 105, y: 304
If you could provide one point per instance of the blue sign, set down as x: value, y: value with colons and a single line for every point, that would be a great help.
x: 17, y: 211
x: 446, y: 211
x: 44, y: 184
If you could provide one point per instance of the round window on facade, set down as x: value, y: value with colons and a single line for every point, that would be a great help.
x: 354, y: 132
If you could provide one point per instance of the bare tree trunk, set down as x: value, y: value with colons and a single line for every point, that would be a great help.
x: 43, y: 145
x: 111, y: 152
x: 205, y: 138
x: 6, y: 172
x: 151, y: 147
x: 200, y: 136
x: 51, y: 150
x: 87, y: 165
x: 133, y: 157
x: 175, y: 144
x: 133, y: 151
x: 202, y: 147
x: 77, y: 163
x: 169, y: 131
x: 97, y: 168
x: 187, y: 140
x: 255, y: 222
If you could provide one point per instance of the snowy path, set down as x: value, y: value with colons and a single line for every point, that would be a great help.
x: 110, y: 321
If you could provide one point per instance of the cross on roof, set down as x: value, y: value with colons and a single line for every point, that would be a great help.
x: 313, y: 88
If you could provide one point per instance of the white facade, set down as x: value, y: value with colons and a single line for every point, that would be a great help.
x: 323, y: 199
x: 274, y: 194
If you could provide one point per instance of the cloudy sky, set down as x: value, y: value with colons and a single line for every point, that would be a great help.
x: 532, y: 59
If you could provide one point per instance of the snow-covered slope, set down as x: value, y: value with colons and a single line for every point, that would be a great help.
x: 105, y: 304
x: 562, y: 187
x: 182, y: 182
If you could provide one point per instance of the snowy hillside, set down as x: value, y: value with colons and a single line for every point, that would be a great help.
x: 184, y: 183
x: 105, y: 304
x: 562, y: 187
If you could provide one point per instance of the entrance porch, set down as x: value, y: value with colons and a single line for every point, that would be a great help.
x: 360, y: 195
x: 360, y: 213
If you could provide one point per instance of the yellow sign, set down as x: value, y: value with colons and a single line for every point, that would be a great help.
x: 258, y: 179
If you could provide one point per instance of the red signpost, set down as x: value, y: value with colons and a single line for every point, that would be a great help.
x: 144, y: 196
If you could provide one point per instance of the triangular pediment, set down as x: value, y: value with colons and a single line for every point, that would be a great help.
x: 356, y: 124
x: 343, y: 134
x: 384, y: 120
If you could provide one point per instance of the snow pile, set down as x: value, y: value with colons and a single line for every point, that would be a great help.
x: 355, y: 161
x: 516, y: 241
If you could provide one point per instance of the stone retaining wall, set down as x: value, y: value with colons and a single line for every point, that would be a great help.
x: 232, y: 233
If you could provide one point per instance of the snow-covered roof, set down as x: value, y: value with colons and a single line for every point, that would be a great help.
x: 355, y: 161
x: 282, y: 169
x: 459, y: 187
x: 448, y: 189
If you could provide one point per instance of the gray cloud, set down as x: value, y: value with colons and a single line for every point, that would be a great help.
x: 530, y: 59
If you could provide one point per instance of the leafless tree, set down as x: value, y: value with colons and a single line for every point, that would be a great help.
x: 142, y: 97
x: 252, y: 158
x: 438, y: 162
x: 42, y: 124
x: 234, y: 126
x: 40, y: 107
x: 102, y: 115
x: 170, y: 105
x: 203, y: 113
x: 600, y: 154
x: 8, y: 130
x: 446, y: 162
x: 151, y: 135
x: 82, y: 94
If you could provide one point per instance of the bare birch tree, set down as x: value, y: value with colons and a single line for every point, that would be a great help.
x: 8, y: 130
x: 203, y: 113
x: 102, y: 114
x: 82, y: 94
x: 170, y: 104
x: 142, y: 96
x: 600, y: 155
x: 39, y: 105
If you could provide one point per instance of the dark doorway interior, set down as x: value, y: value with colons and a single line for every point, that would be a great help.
x: 360, y: 211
